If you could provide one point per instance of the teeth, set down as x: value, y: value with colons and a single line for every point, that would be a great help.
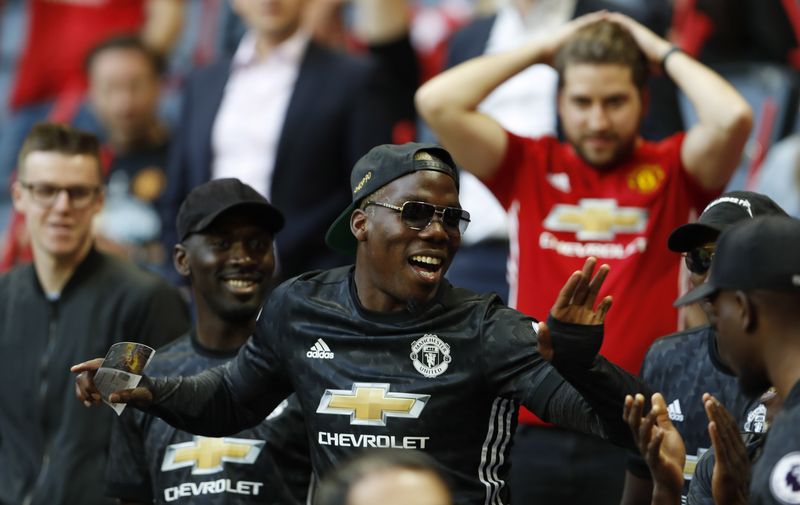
x: 427, y: 259
x: 237, y: 283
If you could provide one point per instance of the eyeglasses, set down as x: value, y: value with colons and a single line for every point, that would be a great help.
x: 419, y: 215
x: 698, y: 260
x: 46, y: 194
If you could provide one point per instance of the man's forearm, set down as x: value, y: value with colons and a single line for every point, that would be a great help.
x: 464, y: 86
x: 715, y: 100
x: 201, y: 404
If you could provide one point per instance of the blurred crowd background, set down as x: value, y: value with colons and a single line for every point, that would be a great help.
x: 44, y: 45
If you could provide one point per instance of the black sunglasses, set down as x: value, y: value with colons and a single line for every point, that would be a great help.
x: 419, y: 215
x: 698, y: 260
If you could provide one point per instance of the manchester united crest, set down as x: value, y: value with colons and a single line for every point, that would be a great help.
x: 430, y: 355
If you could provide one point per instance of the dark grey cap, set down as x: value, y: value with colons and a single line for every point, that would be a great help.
x: 380, y: 166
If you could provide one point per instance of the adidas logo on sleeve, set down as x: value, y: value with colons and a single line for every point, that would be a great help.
x: 674, y: 411
x: 320, y: 350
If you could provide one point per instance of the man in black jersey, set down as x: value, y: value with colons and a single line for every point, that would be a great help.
x: 684, y: 365
x: 754, y: 294
x: 226, y: 232
x: 386, y: 353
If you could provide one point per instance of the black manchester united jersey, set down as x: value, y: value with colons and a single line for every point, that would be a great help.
x: 152, y: 462
x: 683, y: 366
x: 446, y: 378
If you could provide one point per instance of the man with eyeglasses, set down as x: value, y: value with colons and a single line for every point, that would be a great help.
x: 386, y: 353
x: 687, y: 364
x: 70, y: 301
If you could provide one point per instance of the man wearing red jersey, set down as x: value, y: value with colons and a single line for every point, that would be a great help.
x: 605, y: 192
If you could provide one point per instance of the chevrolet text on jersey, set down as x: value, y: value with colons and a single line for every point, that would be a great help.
x: 218, y: 486
x: 380, y: 441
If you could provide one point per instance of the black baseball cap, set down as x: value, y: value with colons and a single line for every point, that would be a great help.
x: 763, y: 253
x: 207, y: 201
x: 719, y: 215
x: 380, y: 166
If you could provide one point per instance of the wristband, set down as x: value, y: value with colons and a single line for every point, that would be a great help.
x: 672, y: 50
x: 575, y: 345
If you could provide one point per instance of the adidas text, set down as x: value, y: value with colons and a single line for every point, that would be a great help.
x: 319, y: 354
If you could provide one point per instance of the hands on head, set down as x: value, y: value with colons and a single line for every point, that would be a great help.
x: 86, y: 391
x: 576, y: 303
x: 653, y: 46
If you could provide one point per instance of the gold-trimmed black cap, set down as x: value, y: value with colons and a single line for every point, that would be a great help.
x: 380, y: 166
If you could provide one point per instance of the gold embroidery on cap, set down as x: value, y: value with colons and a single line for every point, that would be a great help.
x: 363, y: 181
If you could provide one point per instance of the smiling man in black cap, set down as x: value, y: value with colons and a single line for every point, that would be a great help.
x: 754, y: 294
x: 386, y: 353
x: 684, y: 365
x: 226, y: 231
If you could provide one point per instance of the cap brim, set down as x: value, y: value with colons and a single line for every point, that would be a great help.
x: 271, y: 217
x: 339, y: 237
x: 702, y: 291
x: 688, y: 236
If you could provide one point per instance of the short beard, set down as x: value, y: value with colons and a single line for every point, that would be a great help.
x: 621, y: 154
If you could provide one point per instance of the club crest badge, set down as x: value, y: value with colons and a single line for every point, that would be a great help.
x: 430, y: 355
x: 785, y: 479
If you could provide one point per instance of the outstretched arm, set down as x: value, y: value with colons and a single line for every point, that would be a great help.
x: 449, y: 102
x: 204, y: 404
x: 713, y: 147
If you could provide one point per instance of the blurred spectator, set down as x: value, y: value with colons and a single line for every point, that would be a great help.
x: 779, y: 176
x: 50, y: 79
x: 386, y: 477
x: 122, y: 110
x: 288, y: 117
x: 525, y: 105
x: 124, y: 92
x: 605, y: 193
x: 70, y: 301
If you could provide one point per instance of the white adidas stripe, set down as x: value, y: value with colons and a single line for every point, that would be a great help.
x: 493, y: 449
x: 324, y: 345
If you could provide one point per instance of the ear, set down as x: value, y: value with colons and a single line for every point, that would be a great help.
x: 359, y: 224
x: 748, y: 312
x: 180, y: 258
x: 16, y: 197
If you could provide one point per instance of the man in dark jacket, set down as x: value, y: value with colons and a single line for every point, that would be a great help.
x: 70, y: 301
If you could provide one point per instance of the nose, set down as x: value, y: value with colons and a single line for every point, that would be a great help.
x: 239, y: 253
x: 62, y: 201
x: 435, y: 229
x: 598, y: 118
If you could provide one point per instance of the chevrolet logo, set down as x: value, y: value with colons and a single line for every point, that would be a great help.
x: 370, y: 403
x: 596, y: 219
x: 206, y: 455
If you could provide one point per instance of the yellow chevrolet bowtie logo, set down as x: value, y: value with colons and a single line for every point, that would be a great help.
x: 371, y: 403
x: 596, y: 219
x: 206, y: 455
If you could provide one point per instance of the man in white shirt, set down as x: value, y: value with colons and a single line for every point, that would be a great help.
x: 286, y: 116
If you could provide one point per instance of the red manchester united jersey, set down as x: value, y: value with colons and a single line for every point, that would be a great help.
x: 563, y: 210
